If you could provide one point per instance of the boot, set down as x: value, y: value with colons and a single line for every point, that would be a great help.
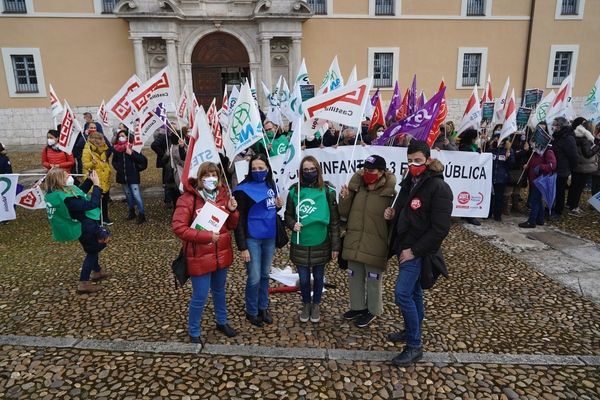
x: 131, y: 214
x: 515, y: 203
x: 409, y: 355
x: 506, y: 205
x: 141, y: 219
x: 87, y: 287
x: 100, y: 275
x: 305, y: 313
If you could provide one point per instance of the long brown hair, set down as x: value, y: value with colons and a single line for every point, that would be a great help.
x: 55, y: 180
x: 204, y: 169
x: 319, y: 183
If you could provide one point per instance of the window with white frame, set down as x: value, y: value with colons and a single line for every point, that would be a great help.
x: 562, y: 63
x: 384, y: 7
x: 384, y: 66
x: 569, y: 9
x: 471, y: 66
x: 14, y: 6
x: 108, y: 6
x: 476, y: 8
x: 319, y: 7
x: 24, y: 73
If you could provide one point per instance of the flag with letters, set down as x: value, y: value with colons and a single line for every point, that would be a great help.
x: 120, y: 107
x: 157, y: 89
x: 245, y: 126
x: 102, y: 114
x: 68, y: 135
x: 55, y: 106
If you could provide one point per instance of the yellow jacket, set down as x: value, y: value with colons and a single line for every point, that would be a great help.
x: 96, y: 158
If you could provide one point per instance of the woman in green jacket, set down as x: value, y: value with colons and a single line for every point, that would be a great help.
x: 316, y: 234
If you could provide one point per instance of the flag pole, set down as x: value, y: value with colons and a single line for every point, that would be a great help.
x: 299, y: 172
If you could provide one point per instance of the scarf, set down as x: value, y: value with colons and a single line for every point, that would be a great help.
x: 120, y: 147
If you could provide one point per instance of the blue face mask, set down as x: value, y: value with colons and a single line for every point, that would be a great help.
x: 259, y: 176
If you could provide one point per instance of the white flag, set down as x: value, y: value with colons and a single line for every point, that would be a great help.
x: 510, y: 118
x: 145, y: 129
x: 591, y: 106
x: 31, y: 199
x: 55, y: 106
x: 499, y: 112
x: 8, y: 192
x: 562, y: 105
x: 182, y: 106
x: 204, y: 145
x: 102, y: 114
x: 224, y: 111
x: 120, y: 107
x: 157, y: 89
x: 352, y: 78
x: 333, y: 78
x: 68, y: 135
x: 539, y: 114
x: 472, y: 116
x: 273, y: 112
x: 245, y: 127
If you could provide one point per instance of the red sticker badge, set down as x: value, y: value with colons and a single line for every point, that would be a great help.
x: 415, y: 204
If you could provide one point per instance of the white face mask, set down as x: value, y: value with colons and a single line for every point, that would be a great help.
x: 70, y: 181
x: 51, y: 142
x: 210, y: 183
x: 122, y: 139
x: 379, y: 133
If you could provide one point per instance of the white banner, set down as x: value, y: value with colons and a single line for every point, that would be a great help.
x: 468, y: 174
x: 155, y: 90
x: 68, y: 135
x: 120, y: 107
x: 8, y: 191
x: 55, y: 106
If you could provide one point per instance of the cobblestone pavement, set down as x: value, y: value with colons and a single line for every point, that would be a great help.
x: 55, y: 373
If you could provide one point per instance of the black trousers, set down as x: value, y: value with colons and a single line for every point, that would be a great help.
x: 559, y: 201
x: 578, y: 182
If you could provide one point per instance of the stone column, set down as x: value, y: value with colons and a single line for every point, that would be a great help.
x: 187, y: 77
x: 173, y: 66
x: 295, y: 56
x: 140, y: 59
x: 266, y: 60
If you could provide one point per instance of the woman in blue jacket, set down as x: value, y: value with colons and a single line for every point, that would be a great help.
x: 128, y: 164
x: 255, y: 234
x: 503, y: 157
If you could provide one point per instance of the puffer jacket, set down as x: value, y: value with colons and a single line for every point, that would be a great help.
x: 201, y: 254
x: 51, y: 156
x: 565, y: 150
x: 367, y: 232
x: 587, y: 150
x: 128, y: 167
x: 319, y: 254
x: 541, y: 164
x: 96, y: 158
x: 423, y: 212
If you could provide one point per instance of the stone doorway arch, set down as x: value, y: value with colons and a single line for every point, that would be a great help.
x: 218, y: 59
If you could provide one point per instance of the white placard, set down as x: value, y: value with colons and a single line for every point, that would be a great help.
x: 595, y: 201
x: 210, y: 218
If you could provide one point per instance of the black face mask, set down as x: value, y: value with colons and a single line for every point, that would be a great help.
x: 310, y: 177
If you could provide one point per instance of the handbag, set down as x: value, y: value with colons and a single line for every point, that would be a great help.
x: 179, y: 269
x: 281, y: 236
x: 103, y: 235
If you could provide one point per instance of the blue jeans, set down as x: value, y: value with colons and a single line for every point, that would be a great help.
x: 305, y: 289
x: 215, y: 281
x: 134, y: 196
x: 536, y: 215
x: 409, y: 297
x: 259, y: 267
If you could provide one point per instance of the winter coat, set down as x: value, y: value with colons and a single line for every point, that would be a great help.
x: 587, y: 150
x: 543, y: 164
x: 423, y: 212
x: 501, y: 165
x: 159, y: 146
x: 5, y: 165
x: 77, y: 207
x: 96, y: 158
x: 202, y: 255
x: 128, y: 167
x: 245, y: 203
x: 51, y: 156
x: 565, y: 150
x: 367, y: 232
x: 319, y: 254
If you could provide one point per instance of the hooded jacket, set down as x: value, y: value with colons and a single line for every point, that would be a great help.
x: 367, y: 232
x: 202, y: 255
x: 423, y: 211
x: 541, y: 164
x: 565, y: 150
x: 128, y: 167
x: 96, y: 158
x: 587, y: 149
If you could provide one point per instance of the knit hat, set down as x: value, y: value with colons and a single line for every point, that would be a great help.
x: 375, y: 162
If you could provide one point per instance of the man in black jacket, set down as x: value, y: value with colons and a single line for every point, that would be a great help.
x: 565, y: 150
x: 422, y: 213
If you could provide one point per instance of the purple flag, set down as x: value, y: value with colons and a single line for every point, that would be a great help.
x: 161, y: 113
x: 374, y: 98
x: 421, y: 100
x: 412, y: 97
x: 419, y: 124
x: 390, y: 116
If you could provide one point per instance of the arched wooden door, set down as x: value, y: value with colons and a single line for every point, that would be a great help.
x: 218, y: 59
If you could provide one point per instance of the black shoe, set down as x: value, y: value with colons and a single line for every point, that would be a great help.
x: 538, y: 223
x: 254, y: 320
x: 195, y: 339
x: 409, y: 355
x: 364, y: 320
x: 131, y: 214
x: 227, y: 330
x: 265, y: 316
x: 141, y: 219
x: 396, y: 337
x: 353, y: 314
x: 526, y: 224
x: 473, y: 221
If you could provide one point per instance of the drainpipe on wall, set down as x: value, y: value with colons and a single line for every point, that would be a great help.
x: 528, y: 51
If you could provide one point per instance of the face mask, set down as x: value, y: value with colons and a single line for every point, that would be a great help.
x: 310, y: 177
x: 310, y: 138
x: 270, y: 134
x: 210, y: 183
x: 70, y: 181
x: 370, y: 177
x: 122, y: 139
x: 259, y: 176
x: 51, y: 142
x: 416, y: 169
x: 379, y: 133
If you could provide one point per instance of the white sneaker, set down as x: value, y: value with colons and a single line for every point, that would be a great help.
x: 576, y: 212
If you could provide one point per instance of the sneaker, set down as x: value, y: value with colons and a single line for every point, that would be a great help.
x: 364, y: 320
x: 265, y: 316
x: 526, y: 224
x: 315, y: 314
x: 396, y: 337
x: 100, y: 275
x: 87, y: 287
x: 576, y: 212
x: 254, y: 320
x: 353, y: 314
x: 227, y: 330
x: 409, y: 355
x: 305, y: 313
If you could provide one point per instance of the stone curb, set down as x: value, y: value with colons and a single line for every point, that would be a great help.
x: 292, y: 352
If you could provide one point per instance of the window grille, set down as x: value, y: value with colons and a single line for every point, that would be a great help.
x: 471, y: 69
x: 318, y: 6
x: 15, y: 7
x: 25, y: 76
x: 562, y: 66
x: 475, y: 8
x: 569, y: 7
x: 384, y: 7
x: 383, y: 67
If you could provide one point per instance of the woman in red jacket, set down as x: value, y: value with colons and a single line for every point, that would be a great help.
x: 208, y: 254
x: 52, y: 156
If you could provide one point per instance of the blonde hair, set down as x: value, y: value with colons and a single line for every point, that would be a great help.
x: 55, y: 180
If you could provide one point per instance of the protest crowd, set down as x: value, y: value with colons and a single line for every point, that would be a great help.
x: 238, y: 180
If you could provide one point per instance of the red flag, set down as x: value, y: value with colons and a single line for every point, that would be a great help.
x: 213, y: 121
x: 377, y: 117
x: 441, y: 117
x: 403, y: 110
x: 194, y: 106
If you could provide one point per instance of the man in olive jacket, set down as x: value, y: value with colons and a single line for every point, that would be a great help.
x: 362, y: 203
x: 422, y: 214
